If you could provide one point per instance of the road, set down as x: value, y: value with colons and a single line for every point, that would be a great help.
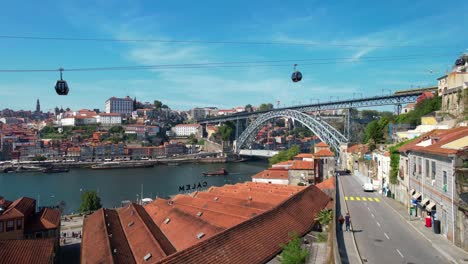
x: 381, y: 236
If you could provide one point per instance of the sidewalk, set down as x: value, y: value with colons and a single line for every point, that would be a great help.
x: 439, y: 242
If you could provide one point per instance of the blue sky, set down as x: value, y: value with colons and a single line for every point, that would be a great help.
x: 434, y: 29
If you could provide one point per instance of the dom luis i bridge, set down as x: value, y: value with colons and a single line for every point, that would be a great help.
x: 309, y: 116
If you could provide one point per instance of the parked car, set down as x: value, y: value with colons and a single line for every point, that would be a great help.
x: 368, y: 187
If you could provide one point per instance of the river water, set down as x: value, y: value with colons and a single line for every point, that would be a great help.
x: 117, y: 185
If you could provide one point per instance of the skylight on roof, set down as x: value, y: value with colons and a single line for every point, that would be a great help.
x: 147, y: 257
x: 199, y: 214
x: 200, y: 235
x: 167, y: 221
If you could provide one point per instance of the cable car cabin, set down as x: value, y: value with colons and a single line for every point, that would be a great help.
x: 296, y: 76
x: 61, y: 87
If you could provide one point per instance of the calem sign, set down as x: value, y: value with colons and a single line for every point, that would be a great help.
x: 193, y: 187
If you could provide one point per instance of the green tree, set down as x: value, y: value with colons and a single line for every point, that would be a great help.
x: 285, y: 155
x: 324, y: 217
x: 225, y: 132
x: 116, y: 129
x: 395, y: 161
x: 192, y: 139
x: 249, y: 108
x: 265, y: 107
x: 90, y: 201
x: 157, y: 104
x: 293, y: 253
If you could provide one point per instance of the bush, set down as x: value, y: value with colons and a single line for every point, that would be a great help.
x: 293, y: 253
x: 90, y: 201
x: 324, y: 217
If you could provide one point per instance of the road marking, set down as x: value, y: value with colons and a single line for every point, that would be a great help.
x: 364, y: 198
x: 377, y: 199
x: 370, y: 199
x: 368, y: 209
x: 351, y: 198
x: 401, y: 255
x: 386, y: 236
x: 346, y: 198
x: 379, y: 224
x: 373, y: 216
x: 357, y: 198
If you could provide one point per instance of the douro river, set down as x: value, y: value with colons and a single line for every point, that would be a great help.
x: 117, y: 185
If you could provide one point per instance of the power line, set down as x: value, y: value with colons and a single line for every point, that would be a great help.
x: 241, y: 64
x: 294, y: 43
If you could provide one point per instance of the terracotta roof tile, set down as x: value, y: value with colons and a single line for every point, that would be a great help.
x: 302, y: 165
x: 305, y: 155
x: 269, y: 230
x: 324, y: 153
x: 29, y: 251
x: 138, y: 233
x: 19, y: 208
x: 327, y: 184
x: 362, y: 148
x: 322, y: 144
x: 95, y: 245
x: 272, y: 174
x: 438, y: 142
x: 47, y: 218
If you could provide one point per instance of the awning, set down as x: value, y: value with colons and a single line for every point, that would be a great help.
x: 430, y: 207
x: 425, y: 201
x: 416, y: 196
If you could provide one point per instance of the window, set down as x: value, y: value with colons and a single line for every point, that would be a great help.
x: 433, y: 170
x: 427, y: 168
x: 1, y: 226
x: 19, y: 224
x: 419, y: 166
x: 414, y: 165
x: 10, y: 225
x: 444, y: 183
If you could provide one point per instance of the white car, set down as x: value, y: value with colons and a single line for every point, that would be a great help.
x: 368, y: 187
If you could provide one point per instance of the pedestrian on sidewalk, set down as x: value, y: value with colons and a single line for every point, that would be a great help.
x: 341, y: 221
x: 348, y: 221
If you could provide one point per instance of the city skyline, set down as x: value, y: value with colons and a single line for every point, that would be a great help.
x: 333, y: 31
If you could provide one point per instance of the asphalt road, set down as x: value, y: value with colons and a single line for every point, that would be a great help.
x: 381, y: 235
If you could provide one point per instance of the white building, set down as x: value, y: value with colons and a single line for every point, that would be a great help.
x: 78, y: 121
x: 109, y: 119
x: 119, y: 105
x: 273, y: 176
x: 185, y: 130
x: 382, y: 162
x: 429, y: 171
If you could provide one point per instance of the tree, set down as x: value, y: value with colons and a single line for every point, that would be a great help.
x: 249, y: 108
x: 285, y: 155
x: 265, y: 107
x: 90, y: 201
x: 225, y: 131
x: 293, y: 253
x: 116, y: 129
x: 157, y: 104
x: 192, y: 139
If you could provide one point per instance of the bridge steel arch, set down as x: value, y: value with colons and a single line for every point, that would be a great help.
x: 323, y: 130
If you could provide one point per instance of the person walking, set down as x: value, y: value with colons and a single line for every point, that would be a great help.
x: 348, y: 221
x: 341, y: 221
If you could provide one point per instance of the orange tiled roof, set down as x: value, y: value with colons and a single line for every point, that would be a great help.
x: 358, y: 148
x: 19, y: 208
x: 269, y: 230
x: 160, y: 228
x: 436, y: 142
x: 324, y: 153
x: 33, y: 251
x: 327, y: 184
x: 302, y: 165
x: 305, y: 155
x: 322, y: 144
x: 272, y: 174
x: 45, y: 219
x: 288, y: 162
